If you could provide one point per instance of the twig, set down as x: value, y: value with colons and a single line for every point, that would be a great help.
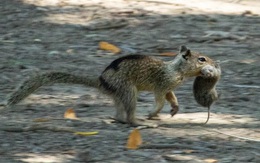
x: 172, y: 146
x: 245, y: 86
x: 7, y: 41
x: 36, y: 127
x: 113, y: 26
x: 239, y: 137
x: 229, y: 46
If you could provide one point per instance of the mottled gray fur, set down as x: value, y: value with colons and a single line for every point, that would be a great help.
x: 125, y: 77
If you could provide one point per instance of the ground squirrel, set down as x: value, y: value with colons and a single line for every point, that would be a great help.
x: 204, y: 86
x: 126, y: 76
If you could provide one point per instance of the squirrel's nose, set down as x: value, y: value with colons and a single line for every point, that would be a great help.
x: 210, y: 69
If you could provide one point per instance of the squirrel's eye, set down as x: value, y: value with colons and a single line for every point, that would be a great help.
x: 202, y: 59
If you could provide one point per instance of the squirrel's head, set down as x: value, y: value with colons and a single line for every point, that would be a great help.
x: 193, y: 62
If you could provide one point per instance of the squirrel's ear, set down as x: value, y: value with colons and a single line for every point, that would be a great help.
x: 185, y: 52
x: 183, y: 48
x: 186, y: 55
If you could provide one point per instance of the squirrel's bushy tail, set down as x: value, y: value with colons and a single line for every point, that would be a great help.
x: 33, y: 83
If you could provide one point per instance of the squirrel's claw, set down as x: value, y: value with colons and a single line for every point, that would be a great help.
x: 174, y: 110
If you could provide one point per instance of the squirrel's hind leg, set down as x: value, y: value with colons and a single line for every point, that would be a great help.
x: 125, y: 102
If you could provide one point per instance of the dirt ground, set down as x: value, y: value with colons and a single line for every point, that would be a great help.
x: 63, y: 35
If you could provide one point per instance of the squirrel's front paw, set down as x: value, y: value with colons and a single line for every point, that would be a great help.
x: 174, y: 110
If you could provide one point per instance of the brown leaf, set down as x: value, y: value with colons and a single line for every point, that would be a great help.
x: 70, y: 114
x: 134, y: 139
x: 109, y: 47
x: 168, y: 54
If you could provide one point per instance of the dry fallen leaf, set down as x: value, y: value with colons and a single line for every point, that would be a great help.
x: 168, y: 54
x: 211, y: 160
x: 109, y: 47
x: 134, y: 139
x: 86, y: 133
x: 70, y: 114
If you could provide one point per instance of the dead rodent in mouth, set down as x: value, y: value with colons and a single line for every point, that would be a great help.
x: 204, y: 86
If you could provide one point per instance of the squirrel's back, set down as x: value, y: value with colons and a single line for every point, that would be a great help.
x: 144, y: 72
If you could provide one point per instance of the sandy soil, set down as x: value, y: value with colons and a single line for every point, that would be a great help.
x: 63, y: 35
